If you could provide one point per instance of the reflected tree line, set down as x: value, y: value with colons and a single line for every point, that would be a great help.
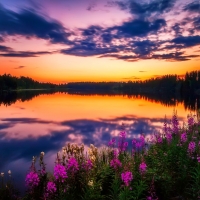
x: 168, y: 90
x: 190, y: 102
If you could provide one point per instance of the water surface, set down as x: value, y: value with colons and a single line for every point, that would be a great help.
x: 47, y: 122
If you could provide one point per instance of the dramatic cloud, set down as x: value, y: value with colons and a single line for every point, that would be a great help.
x: 144, y: 9
x: 5, y: 48
x: 152, y: 7
x: 86, y: 48
x: 9, y: 52
x: 139, y: 27
x: 103, y: 45
x: 193, y: 7
x: 177, y: 56
x: 187, y: 41
x: 29, y: 23
x: 24, y: 54
x: 146, y: 34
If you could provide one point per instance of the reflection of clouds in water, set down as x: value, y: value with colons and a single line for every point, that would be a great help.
x: 86, y: 131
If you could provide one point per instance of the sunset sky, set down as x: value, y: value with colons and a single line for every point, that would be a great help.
x: 62, y: 41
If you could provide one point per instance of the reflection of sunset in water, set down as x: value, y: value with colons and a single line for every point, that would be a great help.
x: 46, y: 113
x: 61, y: 106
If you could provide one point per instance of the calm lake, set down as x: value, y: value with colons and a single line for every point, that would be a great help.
x: 47, y: 122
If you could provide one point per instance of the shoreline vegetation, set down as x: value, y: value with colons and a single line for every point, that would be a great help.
x: 163, y: 166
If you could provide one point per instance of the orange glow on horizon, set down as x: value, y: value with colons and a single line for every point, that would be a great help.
x: 57, y: 108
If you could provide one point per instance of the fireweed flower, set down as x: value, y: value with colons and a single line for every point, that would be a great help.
x: 115, y: 163
x: 183, y: 137
x: 191, y: 147
x: 127, y: 177
x: 88, y: 165
x: 122, y: 145
x: 175, y: 123
x: 142, y: 167
x: 32, y: 179
x: 168, y: 137
x: 60, y: 172
x: 122, y: 134
x: 158, y: 138
x: 72, y: 165
x: 111, y: 143
x: 51, y: 187
x: 138, y: 144
x: 115, y: 153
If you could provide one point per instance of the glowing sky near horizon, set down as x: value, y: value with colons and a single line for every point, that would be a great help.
x: 99, y: 40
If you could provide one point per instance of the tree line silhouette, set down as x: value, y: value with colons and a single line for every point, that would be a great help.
x: 190, y: 83
x: 8, y: 82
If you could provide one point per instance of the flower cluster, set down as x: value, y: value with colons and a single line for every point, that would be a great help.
x: 88, y: 165
x: 50, y: 189
x: 127, y: 177
x: 115, y: 163
x: 183, y: 137
x: 138, y: 144
x: 122, y: 145
x: 111, y: 143
x: 142, y: 167
x: 72, y: 165
x: 175, y: 123
x: 32, y: 179
x: 168, y: 137
x: 191, y: 147
x: 60, y: 172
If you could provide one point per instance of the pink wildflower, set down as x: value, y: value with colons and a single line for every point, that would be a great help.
x: 183, y: 137
x: 175, y: 123
x: 72, y: 165
x: 122, y: 134
x: 142, y: 167
x: 115, y: 163
x: 60, y: 172
x: 111, y: 143
x: 127, y: 177
x: 32, y: 179
x: 51, y: 187
x: 169, y: 137
x: 191, y: 147
x: 122, y: 145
